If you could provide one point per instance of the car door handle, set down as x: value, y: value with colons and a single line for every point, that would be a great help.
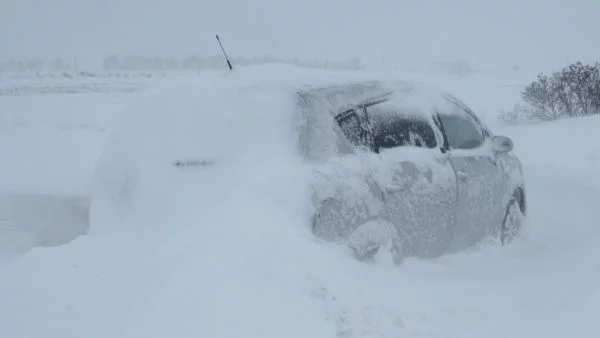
x: 462, y: 175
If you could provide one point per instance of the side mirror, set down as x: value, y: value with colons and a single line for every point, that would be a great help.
x: 501, y: 144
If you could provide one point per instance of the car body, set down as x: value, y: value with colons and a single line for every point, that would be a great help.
x: 448, y: 181
x: 391, y: 164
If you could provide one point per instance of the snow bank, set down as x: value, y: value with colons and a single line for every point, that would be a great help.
x: 243, y: 262
x: 237, y: 129
x: 563, y: 158
x: 229, y: 241
x: 224, y: 250
x: 49, y: 145
x: 569, y: 144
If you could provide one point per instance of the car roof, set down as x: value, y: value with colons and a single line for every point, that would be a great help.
x: 404, y: 97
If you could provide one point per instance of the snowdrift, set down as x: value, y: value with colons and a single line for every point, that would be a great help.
x: 224, y: 250
x: 49, y: 145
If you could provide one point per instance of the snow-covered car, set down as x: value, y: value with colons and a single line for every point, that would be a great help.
x: 423, y: 173
x: 383, y: 163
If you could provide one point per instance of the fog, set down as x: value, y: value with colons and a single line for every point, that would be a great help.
x: 538, y: 34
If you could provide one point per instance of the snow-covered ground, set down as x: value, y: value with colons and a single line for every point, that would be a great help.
x: 28, y: 84
x: 227, y: 253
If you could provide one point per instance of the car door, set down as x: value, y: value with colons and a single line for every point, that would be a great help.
x: 420, y: 193
x: 477, y: 173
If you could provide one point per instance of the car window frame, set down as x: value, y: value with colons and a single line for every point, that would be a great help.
x: 487, y: 133
x: 467, y: 115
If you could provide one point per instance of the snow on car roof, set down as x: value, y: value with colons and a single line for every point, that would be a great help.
x: 339, y: 88
x: 249, y: 112
x: 342, y: 90
x: 351, y: 86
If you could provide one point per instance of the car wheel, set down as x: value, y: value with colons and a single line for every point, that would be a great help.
x: 329, y: 223
x: 370, y: 238
x: 512, y: 222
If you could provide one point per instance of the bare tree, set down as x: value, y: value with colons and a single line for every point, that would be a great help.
x: 541, y: 96
x: 574, y: 91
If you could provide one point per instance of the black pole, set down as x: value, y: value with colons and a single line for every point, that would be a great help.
x: 226, y: 57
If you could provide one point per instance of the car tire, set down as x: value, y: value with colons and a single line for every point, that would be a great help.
x: 372, y: 237
x: 512, y: 221
x: 329, y: 223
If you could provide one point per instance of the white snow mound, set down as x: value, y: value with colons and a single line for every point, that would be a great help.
x: 224, y: 250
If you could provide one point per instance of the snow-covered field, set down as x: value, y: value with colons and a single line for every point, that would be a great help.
x: 228, y: 254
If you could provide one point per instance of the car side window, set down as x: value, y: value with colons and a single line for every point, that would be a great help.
x: 401, y: 131
x: 462, y: 132
x: 382, y: 129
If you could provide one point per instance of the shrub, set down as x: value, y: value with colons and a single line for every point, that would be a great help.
x: 574, y: 91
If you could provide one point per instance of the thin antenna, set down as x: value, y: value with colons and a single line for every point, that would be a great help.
x: 223, y: 49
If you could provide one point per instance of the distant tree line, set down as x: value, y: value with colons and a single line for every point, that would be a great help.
x: 36, y: 65
x: 156, y: 63
x: 573, y: 91
x: 197, y: 63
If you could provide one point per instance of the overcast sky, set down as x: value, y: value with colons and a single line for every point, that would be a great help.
x: 486, y: 33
